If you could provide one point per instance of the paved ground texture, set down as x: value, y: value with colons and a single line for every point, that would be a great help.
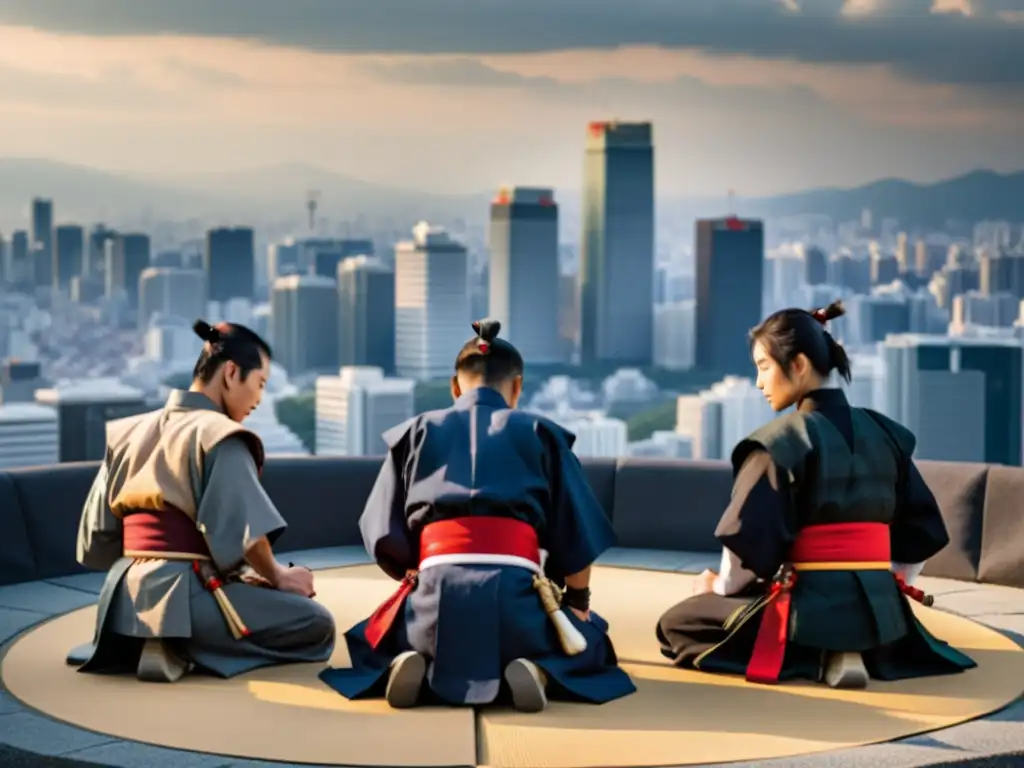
x: 30, y: 739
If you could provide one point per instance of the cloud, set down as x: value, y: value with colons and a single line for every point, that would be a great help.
x: 677, y: 91
x: 186, y: 105
x: 683, y: 81
x: 963, y: 7
x: 461, y: 72
x: 902, y: 34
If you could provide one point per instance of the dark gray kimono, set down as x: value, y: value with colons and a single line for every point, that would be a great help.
x: 824, y: 463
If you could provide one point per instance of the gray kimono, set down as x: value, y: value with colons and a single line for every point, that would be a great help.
x: 189, y: 455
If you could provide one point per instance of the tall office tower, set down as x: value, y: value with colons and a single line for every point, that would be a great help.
x: 230, y: 263
x: 996, y: 310
x: 21, y: 274
x: 674, y: 335
x: 125, y: 258
x: 172, y: 259
x: 304, y: 323
x: 95, y: 257
x: 718, y: 418
x: 524, y: 272
x: 617, y: 250
x: 173, y: 292
x: 83, y: 410
x: 68, y: 254
x: 960, y: 396
x: 1001, y: 271
x: 929, y: 258
x: 170, y: 340
x: 322, y: 256
x: 366, y: 312
x: 29, y: 436
x: 432, y: 309
x: 815, y: 266
x: 730, y: 280
x: 871, y: 318
x: 356, y: 407
x: 849, y: 271
x: 569, y: 313
x: 283, y: 260
x: 41, y: 245
x: 885, y: 267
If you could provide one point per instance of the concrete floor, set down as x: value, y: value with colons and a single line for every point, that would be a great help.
x: 28, y: 738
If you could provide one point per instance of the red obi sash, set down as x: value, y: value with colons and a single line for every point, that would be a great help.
x: 168, y: 534
x: 831, y: 547
x: 464, y: 536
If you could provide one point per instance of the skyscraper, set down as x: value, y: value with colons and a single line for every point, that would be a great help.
x: 730, y: 281
x: 68, y: 254
x: 524, y: 272
x: 169, y: 291
x: 304, y: 323
x: 94, y: 259
x: 21, y: 274
x: 230, y: 263
x: 961, y: 396
x: 617, y: 250
x: 356, y: 407
x: 432, y: 309
x: 41, y: 246
x: 366, y: 312
x: 324, y: 256
x: 283, y: 259
x: 125, y: 257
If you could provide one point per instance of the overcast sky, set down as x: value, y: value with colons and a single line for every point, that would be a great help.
x: 757, y: 95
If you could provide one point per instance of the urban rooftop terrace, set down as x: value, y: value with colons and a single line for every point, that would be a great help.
x: 664, y: 513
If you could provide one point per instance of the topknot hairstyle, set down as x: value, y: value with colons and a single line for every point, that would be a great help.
x: 495, y: 360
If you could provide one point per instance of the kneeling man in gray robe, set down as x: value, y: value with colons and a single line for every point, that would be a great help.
x: 178, y: 517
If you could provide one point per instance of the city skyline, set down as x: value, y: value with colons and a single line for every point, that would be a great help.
x: 839, y: 96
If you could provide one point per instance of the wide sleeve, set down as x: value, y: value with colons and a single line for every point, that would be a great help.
x: 235, y: 511
x: 383, y: 524
x: 578, y: 530
x: 917, y: 531
x: 100, y: 534
x: 759, y: 525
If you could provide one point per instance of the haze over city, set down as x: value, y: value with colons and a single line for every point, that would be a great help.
x: 758, y: 96
x: 627, y: 187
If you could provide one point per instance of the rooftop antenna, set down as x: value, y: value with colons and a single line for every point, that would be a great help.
x: 731, y: 203
x: 312, y: 200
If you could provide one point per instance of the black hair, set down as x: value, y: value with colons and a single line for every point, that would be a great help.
x: 791, y: 332
x: 494, y: 360
x: 228, y: 342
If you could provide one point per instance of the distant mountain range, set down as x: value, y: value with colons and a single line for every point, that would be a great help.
x: 88, y: 194
x: 969, y: 198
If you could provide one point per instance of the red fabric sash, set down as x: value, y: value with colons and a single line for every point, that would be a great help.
x: 462, y: 536
x: 169, y: 531
x: 839, y: 543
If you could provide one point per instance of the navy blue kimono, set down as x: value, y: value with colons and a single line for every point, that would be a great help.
x: 482, y: 458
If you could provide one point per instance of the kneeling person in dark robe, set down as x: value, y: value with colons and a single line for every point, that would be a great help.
x: 179, y: 519
x: 829, y: 524
x: 483, y: 513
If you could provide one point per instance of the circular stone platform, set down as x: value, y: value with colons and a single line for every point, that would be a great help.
x: 675, y: 718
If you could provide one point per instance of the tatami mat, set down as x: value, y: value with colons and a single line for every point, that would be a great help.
x: 676, y: 718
